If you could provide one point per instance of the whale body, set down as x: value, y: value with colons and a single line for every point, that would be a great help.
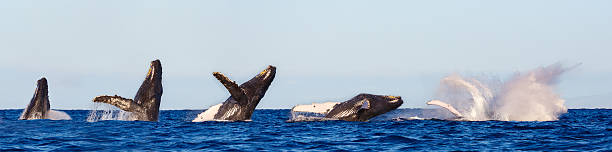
x: 40, y: 107
x: 360, y: 108
x: 243, y: 100
x: 145, y: 105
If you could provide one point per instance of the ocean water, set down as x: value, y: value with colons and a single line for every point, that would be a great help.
x: 579, y: 129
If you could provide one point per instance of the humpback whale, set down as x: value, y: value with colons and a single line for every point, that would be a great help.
x: 243, y: 100
x: 360, y: 108
x: 145, y: 105
x: 39, y: 107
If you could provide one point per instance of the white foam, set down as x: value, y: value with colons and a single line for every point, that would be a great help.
x: 208, y: 115
x: 57, y: 115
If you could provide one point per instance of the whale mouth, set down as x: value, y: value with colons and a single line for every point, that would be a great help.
x: 154, y: 70
x: 394, y: 98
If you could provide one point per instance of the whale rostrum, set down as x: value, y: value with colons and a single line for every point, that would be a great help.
x: 243, y: 98
x: 40, y: 107
x: 145, y: 105
x: 360, y: 108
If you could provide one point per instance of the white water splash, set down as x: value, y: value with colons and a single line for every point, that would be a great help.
x: 103, y: 111
x: 525, y: 97
x: 57, y: 115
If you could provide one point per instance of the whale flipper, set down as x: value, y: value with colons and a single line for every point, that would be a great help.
x: 235, y: 90
x: 446, y: 106
x: 122, y: 103
x: 320, y: 108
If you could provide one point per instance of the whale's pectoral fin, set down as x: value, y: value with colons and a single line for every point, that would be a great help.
x: 235, y: 90
x: 321, y: 108
x: 122, y: 103
x: 446, y: 106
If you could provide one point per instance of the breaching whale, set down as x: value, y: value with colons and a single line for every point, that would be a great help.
x: 39, y: 107
x: 360, y: 108
x: 243, y: 100
x: 145, y: 105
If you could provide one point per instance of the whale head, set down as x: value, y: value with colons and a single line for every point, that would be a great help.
x: 375, y: 105
x: 155, y: 72
x: 39, y: 105
x: 152, y: 85
x: 259, y: 84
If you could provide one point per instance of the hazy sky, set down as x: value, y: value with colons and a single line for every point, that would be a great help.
x: 324, y: 50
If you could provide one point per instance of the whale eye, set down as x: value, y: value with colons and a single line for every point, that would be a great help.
x: 365, y: 104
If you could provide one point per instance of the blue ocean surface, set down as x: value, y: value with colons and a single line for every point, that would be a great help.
x: 579, y: 129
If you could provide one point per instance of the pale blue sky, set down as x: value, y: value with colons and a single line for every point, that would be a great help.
x: 324, y: 50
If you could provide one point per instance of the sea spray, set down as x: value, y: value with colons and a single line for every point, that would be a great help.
x: 103, y: 111
x: 531, y: 96
x: 527, y: 96
x: 477, y: 110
